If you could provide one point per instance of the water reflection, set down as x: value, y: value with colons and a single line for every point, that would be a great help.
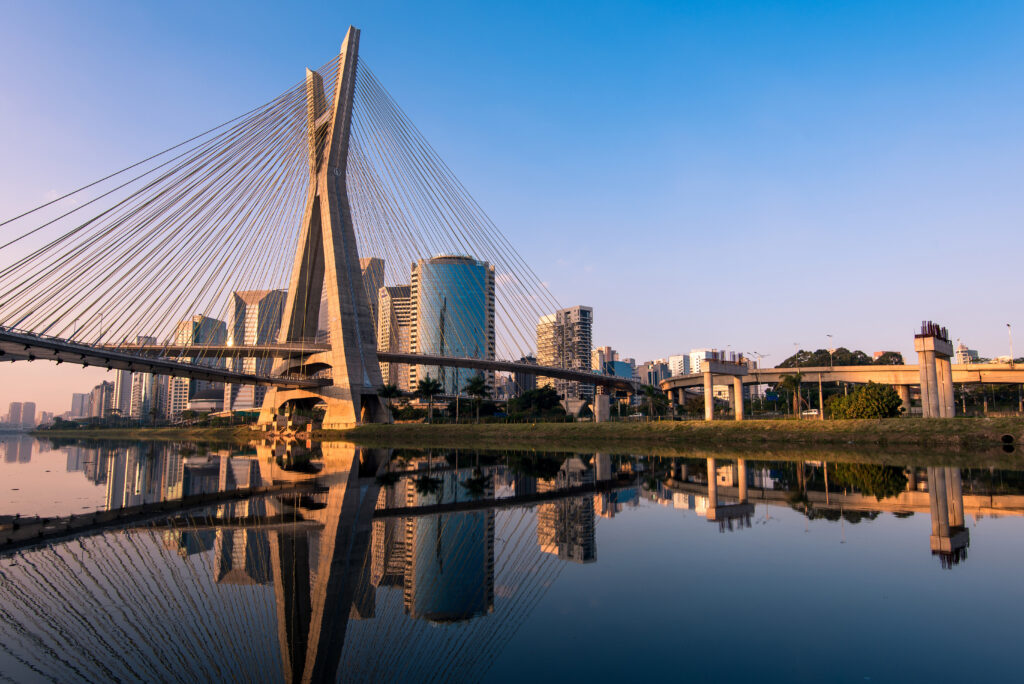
x: 396, y: 564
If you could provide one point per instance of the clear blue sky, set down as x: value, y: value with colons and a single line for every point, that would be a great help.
x: 701, y: 173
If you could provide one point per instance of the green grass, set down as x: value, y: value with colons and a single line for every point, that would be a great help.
x: 920, y: 433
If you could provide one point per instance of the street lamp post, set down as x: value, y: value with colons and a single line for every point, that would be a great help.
x: 1009, y: 331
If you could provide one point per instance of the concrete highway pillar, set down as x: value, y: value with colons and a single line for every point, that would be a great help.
x: 732, y: 398
x: 938, y: 498
x: 684, y: 472
x: 602, y: 408
x: 904, y: 392
x: 944, y: 377
x: 741, y: 467
x: 709, y: 397
x: 932, y: 379
x: 955, y: 492
x: 603, y: 467
x: 737, y: 394
x: 712, y: 487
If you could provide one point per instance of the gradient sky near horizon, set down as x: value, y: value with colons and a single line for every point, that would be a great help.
x: 746, y: 175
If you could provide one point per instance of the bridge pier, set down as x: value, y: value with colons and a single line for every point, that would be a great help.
x: 949, y: 538
x: 709, y: 396
x: 904, y: 392
x: 933, y: 352
x: 736, y: 396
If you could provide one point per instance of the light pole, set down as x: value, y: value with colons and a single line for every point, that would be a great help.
x: 831, y: 350
x: 1009, y: 331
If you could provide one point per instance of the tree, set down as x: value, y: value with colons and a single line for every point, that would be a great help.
x: 880, y: 481
x: 791, y: 383
x: 872, y: 400
x: 840, y: 356
x: 889, y: 359
x: 389, y: 392
x: 537, y: 402
x: 655, y: 399
x: 428, y: 388
x: 476, y: 387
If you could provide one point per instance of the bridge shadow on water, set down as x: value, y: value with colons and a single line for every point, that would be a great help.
x: 386, y: 564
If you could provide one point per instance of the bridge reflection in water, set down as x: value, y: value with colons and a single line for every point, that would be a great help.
x: 441, y: 556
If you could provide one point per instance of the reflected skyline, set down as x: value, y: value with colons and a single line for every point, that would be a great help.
x: 321, y: 576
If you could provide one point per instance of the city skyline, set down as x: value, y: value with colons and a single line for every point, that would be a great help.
x: 888, y: 188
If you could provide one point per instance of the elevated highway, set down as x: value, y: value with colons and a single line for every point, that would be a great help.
x: 905, y: 375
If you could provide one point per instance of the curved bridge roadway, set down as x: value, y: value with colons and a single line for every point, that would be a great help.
x: 22, y: 346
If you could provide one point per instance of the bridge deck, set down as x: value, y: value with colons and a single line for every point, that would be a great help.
x: 157, y: 358
x: 995, y: 373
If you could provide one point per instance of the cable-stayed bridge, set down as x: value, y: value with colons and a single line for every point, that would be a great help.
x: 317, y: 202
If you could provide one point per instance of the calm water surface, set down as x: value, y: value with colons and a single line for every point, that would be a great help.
x: 405, y: 565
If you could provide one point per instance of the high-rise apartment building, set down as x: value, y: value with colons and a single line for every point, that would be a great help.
x: 697, y: 356
x: 28, y: 414
x: 652, y: 373
x: 394, y: 320
x: 101, y: 400
x: 123, y: 392
x: 452, y: 299
x: 679, y: 364
x: 564, y: 340
x: 566, y: 528
x: 600, y: 357
x: 254, y: 317
x: 14, y: 413
x: 198, y: 330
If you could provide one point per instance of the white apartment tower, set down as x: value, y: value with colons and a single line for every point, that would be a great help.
x: 254, y: 317
x: 564, y: 340
x: 394, y: 318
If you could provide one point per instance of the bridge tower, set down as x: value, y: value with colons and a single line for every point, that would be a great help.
x: 327, y: 257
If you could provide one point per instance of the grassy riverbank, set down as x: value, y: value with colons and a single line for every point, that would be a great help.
x: 919, y: 433
x: 959, y: 433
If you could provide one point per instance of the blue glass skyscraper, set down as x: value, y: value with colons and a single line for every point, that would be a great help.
x: 453, y: 315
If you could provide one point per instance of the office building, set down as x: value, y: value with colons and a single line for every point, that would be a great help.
x: 564, y: 340
x: 79, y: 405
x: 652, y: 373
x: 14, y: 414
x: 28, y: 414
x: 198, y: 330
x: 679, y: 364
x: 449, y: 573
x: 697, y: 356
x: 254, y: 317
x: 452, y: 299
x: 394, y: 321
x: 523, y: 381
x: 101, y: 400
x: 600, y: 357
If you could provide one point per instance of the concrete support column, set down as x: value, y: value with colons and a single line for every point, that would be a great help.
x: 944, y: 379
x: 955, y: 494
x: 603, y: 467
x: 741, y: 468
x: 737, y: 392
x: 939, y: 500
x: 732, y: 398
x: 709, y: 396
x: 684, y: 472
x: 904, y: 392
x: 712, y: 486
x: 931, y: 377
